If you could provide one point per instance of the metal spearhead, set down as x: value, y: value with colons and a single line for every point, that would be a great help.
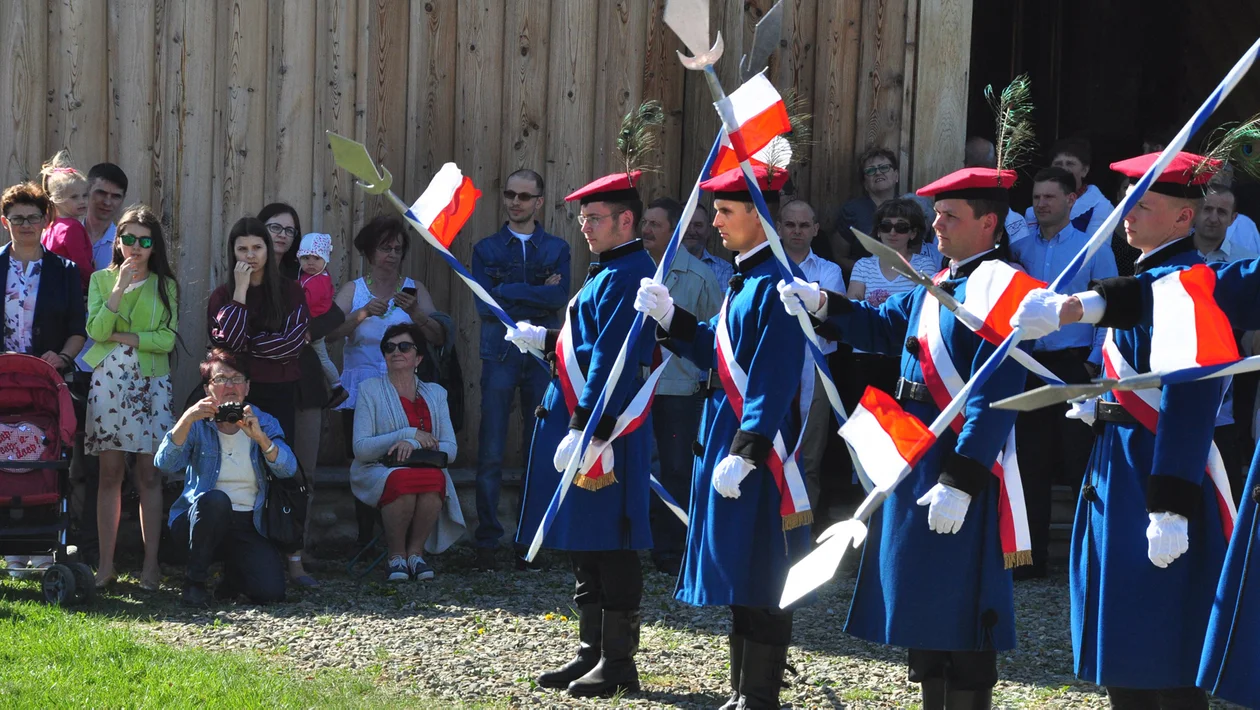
x: 1050, y: 395
x: 353, y: 157
x: 689, y: 19
x: 766, y: 38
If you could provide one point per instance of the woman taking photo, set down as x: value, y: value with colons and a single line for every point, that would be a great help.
x: 133, y: 316
x: 398, y: 414
x: 263, y: 314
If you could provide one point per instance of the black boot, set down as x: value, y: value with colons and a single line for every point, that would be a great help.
x: 969, y: 699
x: 615, y: 672
x: 762, y: 676
x: 933, y: 694
x: 736, y: 642
x: 590, y: 616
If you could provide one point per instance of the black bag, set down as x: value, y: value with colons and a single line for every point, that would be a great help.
x: 284, y: 510
x: 419, y: 458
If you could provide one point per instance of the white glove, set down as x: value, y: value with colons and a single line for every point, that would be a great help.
x: 800, y: 295
x: 1083, y: 410
x: 1038, y: 314
x: 947, y: 506
x: 654, y: 300
x: 568, y: 445
x: 728, y: 474
x: 527, y: 335
x: 1167, y: 538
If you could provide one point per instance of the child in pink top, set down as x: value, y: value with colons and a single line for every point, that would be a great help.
x: 313, y: 253
x: 65, y: 234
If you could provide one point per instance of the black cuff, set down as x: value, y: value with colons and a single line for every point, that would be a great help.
x: 965, y: 473
x: 1124, y: 302
x: 553, y: 336
x: 1169, y: 494
x: 681, y: 327
x: 752, y: 446
x: 582, y: 415
x: 838, y: 304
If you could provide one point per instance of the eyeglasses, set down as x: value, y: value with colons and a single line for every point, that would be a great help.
x: 877, y: 169
x: 595, y: 219
x: 129, y: 240
x: 20, y: 221
x: 222, y: 380
x: 403, y: 347
x: 277, y: 229
x: 396, y: 249
x: 522, y: 196
x: 898, y: 227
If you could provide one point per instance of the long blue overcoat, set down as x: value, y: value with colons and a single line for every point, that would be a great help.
x: 737, y: 550
x: 917, y: 588
x: 1135, y: 625
x: 614, y: 517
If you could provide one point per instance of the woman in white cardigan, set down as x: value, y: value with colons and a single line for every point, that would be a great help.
x: 396, y: 415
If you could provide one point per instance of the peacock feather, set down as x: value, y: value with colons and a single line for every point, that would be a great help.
x: 1237, y: 144
x: 637, y: 139
x: 1012, y: 113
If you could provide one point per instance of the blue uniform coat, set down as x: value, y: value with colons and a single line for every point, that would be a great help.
x: 614, y: 517
x: 1135, y: 625
x: 737, y: 551
x: 917, y: 588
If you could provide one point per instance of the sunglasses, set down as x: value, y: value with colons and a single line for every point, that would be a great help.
x: 129, y: 240
x: 403, y: 347
x: 898, y: 227
x: 522, y: 196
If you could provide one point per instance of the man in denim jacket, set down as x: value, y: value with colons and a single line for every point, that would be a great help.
x: 527, y: 271
x: 225, y: 461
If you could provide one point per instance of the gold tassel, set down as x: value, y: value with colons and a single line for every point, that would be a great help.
x: 1018, y: 558
x: 596, y: 483
x: 795, y: 520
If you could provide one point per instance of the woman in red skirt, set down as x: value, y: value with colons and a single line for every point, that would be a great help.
x: 397, y: 415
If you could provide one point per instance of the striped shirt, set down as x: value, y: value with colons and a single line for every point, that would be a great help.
x: 275, y: 353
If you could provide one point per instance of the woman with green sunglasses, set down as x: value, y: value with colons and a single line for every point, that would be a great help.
x: 133, y: 314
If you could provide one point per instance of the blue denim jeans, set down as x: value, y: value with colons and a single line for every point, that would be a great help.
x: 676, y: 424
x: 500, y: 380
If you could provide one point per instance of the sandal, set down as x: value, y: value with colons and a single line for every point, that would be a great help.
x: 305, y: 580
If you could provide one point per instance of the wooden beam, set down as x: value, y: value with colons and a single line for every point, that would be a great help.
x: 24, y: 32
x: 132, y: 83
x: 883, y: 56
x: 386, y: 75
x: 81, y: 82
x: 336, y: 44
x: 618, y: 85
x: 291, y: 107
x: 792, y: 66
x: 941, y: 87
x: 663, y: 80
x: 832, y: 173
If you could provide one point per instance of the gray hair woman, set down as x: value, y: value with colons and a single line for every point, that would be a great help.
x: 396, y: 415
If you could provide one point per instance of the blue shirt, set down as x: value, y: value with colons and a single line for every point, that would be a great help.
x: 1045, y: 259
x: 515, y: 272
x: 722, y: 269
x: 103, y: 248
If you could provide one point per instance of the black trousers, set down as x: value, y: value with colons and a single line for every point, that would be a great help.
x: 962, y: 670
x: 212, y: 531
x: 772, y: 627
x: 1052, y: 449
x: 279, y: 399
x: 611, y: 578
x: 1163, y: 699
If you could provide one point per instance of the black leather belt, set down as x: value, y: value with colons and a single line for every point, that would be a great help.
x: 910, y: 391
x: 710, y: 381
x: 1112, y: 412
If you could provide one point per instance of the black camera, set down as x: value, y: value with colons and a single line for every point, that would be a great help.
x: 231, y: 413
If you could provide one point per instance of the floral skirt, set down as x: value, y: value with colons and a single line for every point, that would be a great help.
x: 126, y: 411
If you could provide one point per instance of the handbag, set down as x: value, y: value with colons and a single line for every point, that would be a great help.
x: 284, y: 510
x: 419, y: 458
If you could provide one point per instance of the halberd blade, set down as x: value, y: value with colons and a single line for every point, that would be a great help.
x: 1050, y: 395
x: 766, y: 38
x: 354, y: 158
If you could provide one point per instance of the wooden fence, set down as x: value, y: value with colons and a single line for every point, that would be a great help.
x: 216, y: 108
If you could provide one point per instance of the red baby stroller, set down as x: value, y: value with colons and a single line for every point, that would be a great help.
x: 37, y: 428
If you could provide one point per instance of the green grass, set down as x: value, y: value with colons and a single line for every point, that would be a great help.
x: 53, y: 658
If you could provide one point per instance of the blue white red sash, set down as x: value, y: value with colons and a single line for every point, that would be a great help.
x: 1143, y: 405
x: 573, y: 382
x: 785, y: 467
x: 944, y: 381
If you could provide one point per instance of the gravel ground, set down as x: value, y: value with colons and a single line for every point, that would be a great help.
x: 476, y: 639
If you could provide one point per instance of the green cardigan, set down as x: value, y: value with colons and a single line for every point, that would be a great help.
x: 140, y: 312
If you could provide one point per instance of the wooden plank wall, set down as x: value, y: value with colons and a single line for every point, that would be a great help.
x: 215, y: 109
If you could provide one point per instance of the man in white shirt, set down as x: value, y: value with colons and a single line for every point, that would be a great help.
x: 1091, y: 208
x: 1213, y: 233
x: 798, y: 225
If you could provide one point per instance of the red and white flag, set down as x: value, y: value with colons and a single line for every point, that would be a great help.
x: 994, y: 290
x: 761, y: 115
x: 886, y: 438
x: 446, y: 204
x: 1190, y: 330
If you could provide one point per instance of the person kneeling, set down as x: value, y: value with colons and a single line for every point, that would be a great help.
x: 396, y: 416
x: 226, y: 450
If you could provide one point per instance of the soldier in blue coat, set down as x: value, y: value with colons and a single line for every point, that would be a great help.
x: 1149, y: 537
x: 948, y: 598
x: 604, y: 520
x: 749, y: 511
